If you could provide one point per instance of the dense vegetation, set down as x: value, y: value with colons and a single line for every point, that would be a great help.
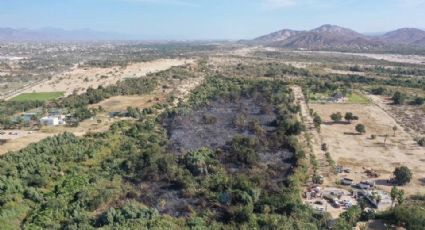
x: 107, y: 180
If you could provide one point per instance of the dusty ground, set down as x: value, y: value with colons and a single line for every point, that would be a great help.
x: 121, y: 103
x: 412, y: 117
x: 359, y: 151
x: 79, y: 79
x: 411, y: 59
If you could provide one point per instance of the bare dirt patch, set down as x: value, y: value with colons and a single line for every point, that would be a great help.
x: 411, y: 117
x: 361, y: 152
x: 80, y: 79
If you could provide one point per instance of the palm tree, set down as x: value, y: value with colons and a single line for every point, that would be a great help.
x: 395, y: 128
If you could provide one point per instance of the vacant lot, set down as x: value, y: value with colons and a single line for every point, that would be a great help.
x: 360, y: 152
x: 121, y: 103
x: 78, y: 80
x: 412, y: 117
x: 42, y: 96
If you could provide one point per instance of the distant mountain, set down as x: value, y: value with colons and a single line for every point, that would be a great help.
x: 54, y: 34
x: 404, y: 36
x: 277, y: 36
x: 336, y: 37
x: 420, y: 42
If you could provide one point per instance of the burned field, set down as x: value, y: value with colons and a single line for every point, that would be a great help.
x: 238, y: 133
x: 226, y: 125
x: 137, y: 175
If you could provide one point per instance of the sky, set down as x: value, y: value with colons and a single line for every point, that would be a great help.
x: 210, y: 19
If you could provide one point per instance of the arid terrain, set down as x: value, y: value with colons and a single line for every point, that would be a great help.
x: 78, y: 80
x: 360, y: 152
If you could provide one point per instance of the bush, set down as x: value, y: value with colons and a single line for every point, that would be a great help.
x: 402, y: 175
x: 244, y: 150
x: 378, y: 91
x: 197, y: 161
x: 336, y: 117
x: 418, y: 101
x: 398, y: 98
x: 360, y: 128
x: 421, y: 141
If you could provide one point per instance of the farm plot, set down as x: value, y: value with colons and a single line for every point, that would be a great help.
x: 382, y: 153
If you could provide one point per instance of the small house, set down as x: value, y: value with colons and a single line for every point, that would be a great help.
x: 53, y: 120
x: 49, y: 121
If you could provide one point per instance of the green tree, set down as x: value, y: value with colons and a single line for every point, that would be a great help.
x: 400, y: 197
x: 349, y: 117
x: 394, y: 194
x: 317, y: 120
x: 402, y: 175
x: 360, y: 128
x: 398, y: 98
x: 336, y: 117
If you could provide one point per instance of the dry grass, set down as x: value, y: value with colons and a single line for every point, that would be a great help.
x: 360, y: 151
x: 80, y: 79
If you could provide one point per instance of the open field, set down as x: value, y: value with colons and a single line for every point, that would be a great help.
x: 399, y: 58
x: 42, y: 96
x: 360, y: 152
x: 78, y: 79
x: 412, y: 117
x: 121, y: 103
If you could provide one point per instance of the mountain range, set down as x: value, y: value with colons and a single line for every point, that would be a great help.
x: 326, y: 37
x: 336, y: 37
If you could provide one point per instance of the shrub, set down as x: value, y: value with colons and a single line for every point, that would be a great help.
x: 399, y: 98
x: 360, y: 128
x: 421, y: 141
x: 402, y: 175
x: 336, y: 117
x: 243, y: 150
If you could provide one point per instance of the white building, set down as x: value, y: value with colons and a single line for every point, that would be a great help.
x: 52, y: 120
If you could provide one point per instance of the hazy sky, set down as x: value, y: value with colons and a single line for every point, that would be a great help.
x: 210, y: 19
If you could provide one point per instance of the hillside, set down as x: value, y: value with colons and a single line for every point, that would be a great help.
x: 404, y: 36
x: 336, y: 37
